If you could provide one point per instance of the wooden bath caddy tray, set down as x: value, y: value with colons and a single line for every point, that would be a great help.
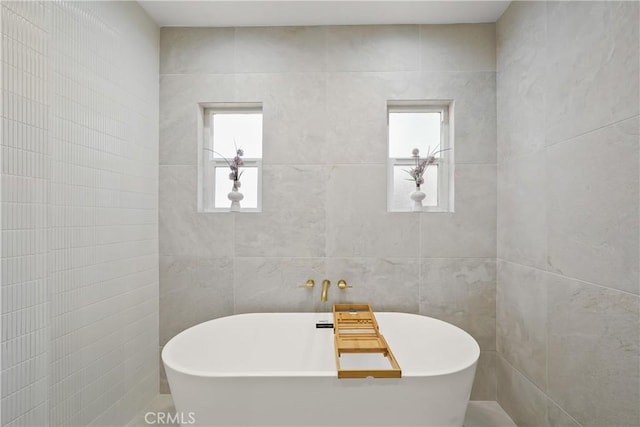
x: 356, y: 332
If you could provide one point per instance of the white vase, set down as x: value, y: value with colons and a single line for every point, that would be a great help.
x: 417, y: 197
x: 235, y: 196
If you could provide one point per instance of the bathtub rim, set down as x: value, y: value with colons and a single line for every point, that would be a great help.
x: 325, y: 374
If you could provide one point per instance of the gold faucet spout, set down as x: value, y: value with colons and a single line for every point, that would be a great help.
x: 325, y: 288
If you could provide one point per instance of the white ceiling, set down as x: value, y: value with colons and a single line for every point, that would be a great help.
x: 245, y: 13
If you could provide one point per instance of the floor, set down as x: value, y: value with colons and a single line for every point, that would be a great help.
x: 486, y: 414
x: 479, y: 414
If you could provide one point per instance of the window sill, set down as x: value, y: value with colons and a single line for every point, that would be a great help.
x: 426, y: 209
x: 226, y: 210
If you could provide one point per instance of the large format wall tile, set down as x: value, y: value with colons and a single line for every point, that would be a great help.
x: 463, y: 47
x: 358, y: 223
x: 470, y: 231
x: 461, y: 291
x: 521, y: 41
x: 279, y: 49
x: 294, y: 188
x: 593, y: 357
x: 520, y: 398
x: 388, y: 284
x: 292, y: 221
x: 324, y: 92
x: 593, y: 206
x: 521, y: 33
x: 192, y: 291
x: 522, y: 211
x: 568, y: 100
x: 593, y: 66
x: 276, y: 285
x: 294, y: 114
x: 357, y: 131
x: 373, y: 48
x: 280, y: 234
x: 179, y: 98
x: 474, y: 112
x: 485, y: 383
x: 196, y: 50
x: 178, y: 124
x: 522, y: 319
x: 556, y: 417
x: 357, y: 113
x: 183, y: 231
x: 164, y: 383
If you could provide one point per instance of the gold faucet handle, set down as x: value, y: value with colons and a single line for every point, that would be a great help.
x: 342, y: 284
x: 310, y: 284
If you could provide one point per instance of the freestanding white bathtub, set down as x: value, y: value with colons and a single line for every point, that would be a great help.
x: 278, y: 369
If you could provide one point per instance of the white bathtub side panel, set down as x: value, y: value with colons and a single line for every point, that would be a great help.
x: 437, y: 401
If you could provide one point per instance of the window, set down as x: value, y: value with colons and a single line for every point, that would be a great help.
x: 225, y: 128
x: 424, y: 125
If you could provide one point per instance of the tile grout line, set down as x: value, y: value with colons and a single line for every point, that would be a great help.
x: 599, y: 285
x: 543, y: 148
x: 532, y: 383
x: 416, y: 71
x: 599, y: 128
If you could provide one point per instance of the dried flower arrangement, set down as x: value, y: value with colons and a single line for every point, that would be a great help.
x: 417, y: 172
x: 234, y: 165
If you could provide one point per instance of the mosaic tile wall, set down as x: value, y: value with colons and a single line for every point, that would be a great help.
x: 79, y: 202
x: 25, y: 171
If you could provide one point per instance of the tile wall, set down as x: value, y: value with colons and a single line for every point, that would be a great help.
x: 324, y: 92
x: 25, y: 171
x: 79, y: 204
x: 568, y: 293
x: 79, y: 188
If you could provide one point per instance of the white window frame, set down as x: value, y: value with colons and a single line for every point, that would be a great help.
x: 445, y: 162
x: 207, y: 164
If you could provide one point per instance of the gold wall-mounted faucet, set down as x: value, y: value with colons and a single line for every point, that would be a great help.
x: 325, y: 288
